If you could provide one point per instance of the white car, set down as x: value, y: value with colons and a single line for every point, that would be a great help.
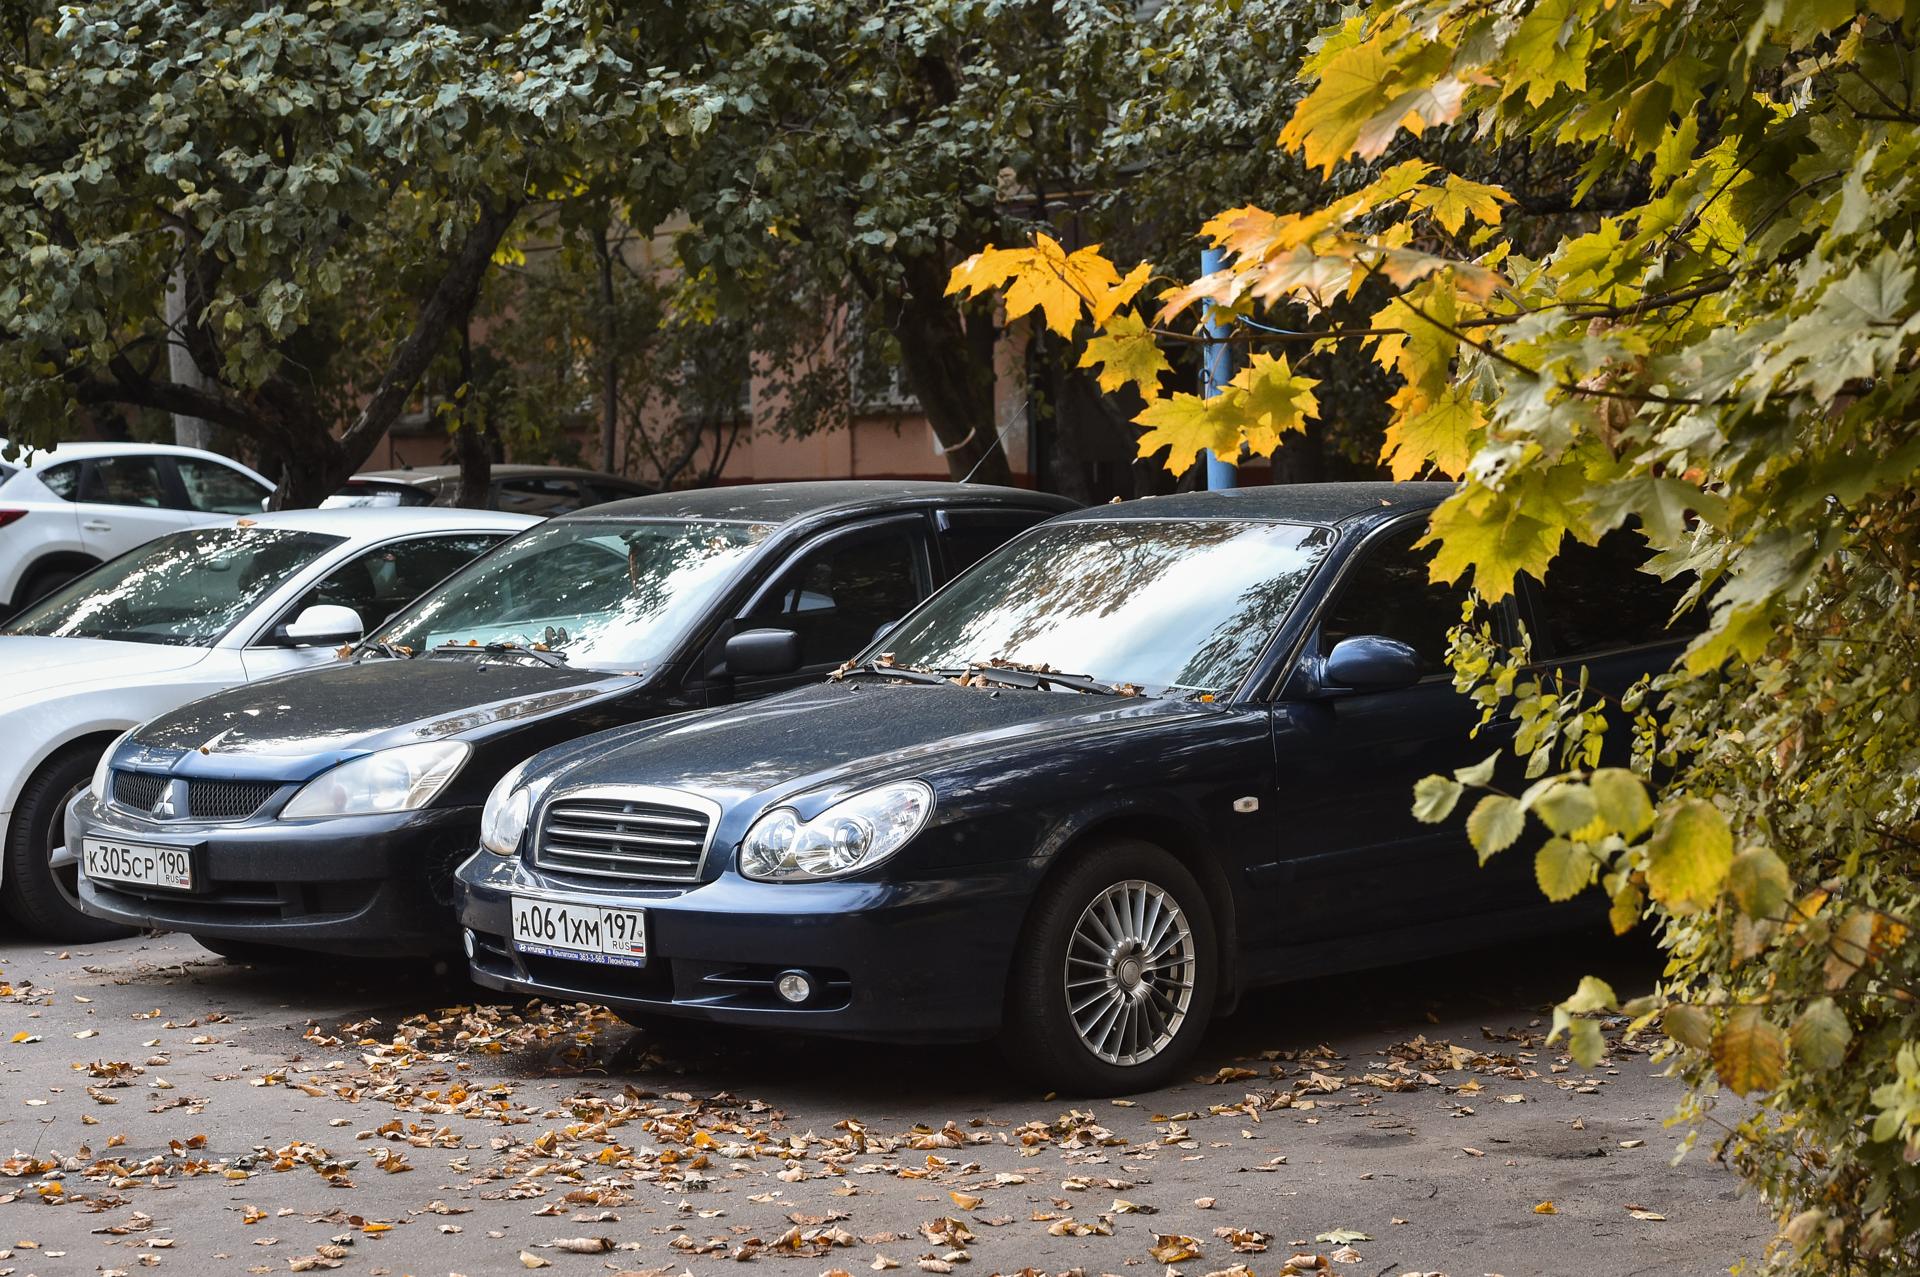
x: 79, y: 504
x: 176, y: 619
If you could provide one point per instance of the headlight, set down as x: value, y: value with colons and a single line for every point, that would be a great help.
x: 853, y: 834
x: 503, y: 821
x: 404, y: 778
x: 105, y: 765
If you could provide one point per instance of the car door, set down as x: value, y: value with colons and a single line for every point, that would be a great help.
x: 836, y: 592
x: 211, y: 488
x: 1347, y: 762
x: 123, y: 501
x: 375, y: 583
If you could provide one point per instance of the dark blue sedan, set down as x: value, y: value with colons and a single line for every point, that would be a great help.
x: 1141, y: 759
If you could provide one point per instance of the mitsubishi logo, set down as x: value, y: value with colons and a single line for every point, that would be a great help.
x: 165, y: 807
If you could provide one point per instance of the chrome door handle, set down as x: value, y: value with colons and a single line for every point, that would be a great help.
x: 96, y: 525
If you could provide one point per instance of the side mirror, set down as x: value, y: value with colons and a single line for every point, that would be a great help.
x: 763, y: 652
x: 323, y: 624
x: 1370, y: 663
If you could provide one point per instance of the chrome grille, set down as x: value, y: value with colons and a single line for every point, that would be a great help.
x: 227, y: 799
x: 138, y: 790
x: 639, y: 834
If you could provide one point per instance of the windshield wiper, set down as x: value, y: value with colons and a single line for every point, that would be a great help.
x: 886, y: 669
x: 387, y: 650
x: 1041, y: 679
x: 546, y: 656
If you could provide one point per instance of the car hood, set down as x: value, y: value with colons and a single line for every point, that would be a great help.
x: 841, y: 737
x: 303, y: 723
x: 33, y: 668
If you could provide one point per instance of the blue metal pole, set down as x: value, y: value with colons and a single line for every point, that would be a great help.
x: 1218, y: 371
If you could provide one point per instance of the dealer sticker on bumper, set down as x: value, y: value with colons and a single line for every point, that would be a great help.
x: 139, y: 863
x: 585, y: 933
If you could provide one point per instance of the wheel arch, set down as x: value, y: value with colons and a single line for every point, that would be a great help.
x: 78, y: 561
x: 1174, y: 833
x: 85, y: 739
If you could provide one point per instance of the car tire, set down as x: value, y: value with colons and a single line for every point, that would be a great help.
x: 42, y: 897
x: 250, y: 951
x: 41, y: 582
x: 1126, y: 1022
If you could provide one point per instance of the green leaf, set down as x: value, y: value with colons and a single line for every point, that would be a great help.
x: 1820, y: 1035
x: 1586, y: 1043
x: 1689, y: 1026
x: 1481, y: 773
x: 1563, y: 869
x: 1434, y: 798
x: 1622, y: 798
x: 1594, y: 994
x: 1128, y: 355
x: 1625, y: 911
x: 1566, y: 807
x: 1689, y: 855
x: 1494, y: 824
x: 1760, y: 883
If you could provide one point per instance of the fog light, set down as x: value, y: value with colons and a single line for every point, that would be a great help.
x: 466, y: 938
x: 794, y: 986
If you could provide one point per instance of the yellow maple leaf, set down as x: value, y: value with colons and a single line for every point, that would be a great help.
x: 1268, y: 398
x: 1048, y: 278
x: 1439, y: 432
x: 1127, y: 353
x: 1451, y: 202
x: 1487, y: 533
x: 1187, y: 424
x: 1326, y: 124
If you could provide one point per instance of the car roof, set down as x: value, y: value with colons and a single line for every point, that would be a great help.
x: 427, y: 474
x: 777, y: 503
x: 78, y: 450
x: 1328, y: 504
x: 364, y: 522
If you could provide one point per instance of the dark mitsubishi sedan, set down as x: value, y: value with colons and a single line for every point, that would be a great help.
x: 327, y: 811
x: 1143, y: 758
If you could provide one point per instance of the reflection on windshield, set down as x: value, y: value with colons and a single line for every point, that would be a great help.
x: 1176, y: 607
x: 185, y: 590
x: 612, y: 595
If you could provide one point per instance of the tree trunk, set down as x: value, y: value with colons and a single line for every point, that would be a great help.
x: 609, y: 355
x: 472, y: 442
x: 949, y: 367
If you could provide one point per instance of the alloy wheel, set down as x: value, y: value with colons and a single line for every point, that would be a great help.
x: 63, y: 860
x: 1130, y: 972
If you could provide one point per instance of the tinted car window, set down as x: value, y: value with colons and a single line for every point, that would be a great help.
x: 218, y: 489
x: 838, y: 595
x: 186, y: 589
x: 1597, y: 599
x: 624, y: 593
x: 385, y: 579
x: 612, y: 490
x: 124, y: 481
x: 1169, y: 606
x: 63, y: 480
x: 967, y: 536
x: 363, y: 493
x: 538, y: 496
x: 1388, y: 593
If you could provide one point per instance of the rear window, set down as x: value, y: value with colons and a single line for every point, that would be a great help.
x: 360, y: 494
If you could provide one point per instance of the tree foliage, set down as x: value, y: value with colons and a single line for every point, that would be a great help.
x: 328, y: 183
x: 1723, y: 355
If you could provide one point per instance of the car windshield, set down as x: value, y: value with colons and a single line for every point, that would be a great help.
x: 1173, y: 608
x: 184, y: 590
x: 601, y: 593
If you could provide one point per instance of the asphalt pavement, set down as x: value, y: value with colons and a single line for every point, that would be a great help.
x: 163, y: 1109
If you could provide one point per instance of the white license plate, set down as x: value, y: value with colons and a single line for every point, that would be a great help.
x: 134, y: 862
x: 583, y: 932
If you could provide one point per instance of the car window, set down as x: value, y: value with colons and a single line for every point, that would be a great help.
x: 967, y: 536
x: 1597, y: 599
x: 1175, y: 606
x: 186, y: 589
x: 538, y: 496
x: 218, y: 489
x: 124, y: 481
x: 1389, y: 593
x: 609, y: 490
x: 374, y: 494
x: 62, y: 480
x: 379, y: 582
x: 836, y: 596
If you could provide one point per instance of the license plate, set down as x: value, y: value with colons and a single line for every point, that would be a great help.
x: 583, y: 932
x: 140, y: 863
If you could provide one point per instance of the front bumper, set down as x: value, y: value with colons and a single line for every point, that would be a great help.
x: 359, y: 885
x: 895, y: 961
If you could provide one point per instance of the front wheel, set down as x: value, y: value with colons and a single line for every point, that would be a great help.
x: 41, y: 888
x: 1116, y: 975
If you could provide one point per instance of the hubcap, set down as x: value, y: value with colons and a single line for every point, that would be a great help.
x: 1129, y: 972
